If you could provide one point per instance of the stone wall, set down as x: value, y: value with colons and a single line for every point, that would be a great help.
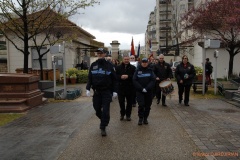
x: 3, y: 67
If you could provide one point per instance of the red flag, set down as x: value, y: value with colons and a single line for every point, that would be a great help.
x: 132, y: 48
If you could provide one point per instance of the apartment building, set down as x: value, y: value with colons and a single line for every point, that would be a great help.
x: 164, y: 31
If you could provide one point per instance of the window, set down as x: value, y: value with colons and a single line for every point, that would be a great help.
x: 35, y: 62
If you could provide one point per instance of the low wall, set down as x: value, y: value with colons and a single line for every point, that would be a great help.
x: 47, y: 73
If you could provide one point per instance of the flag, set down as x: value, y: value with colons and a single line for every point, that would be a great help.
x: 132, y: 48
x: 138, y: 52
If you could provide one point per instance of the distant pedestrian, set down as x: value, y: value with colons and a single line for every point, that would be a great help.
x: 102, y: 79
x: 209, y: 69
x: 84, y: 65
x: 144, y: 80
x: 185, y: 74
x: 124, y: 73
x: 163, y: 72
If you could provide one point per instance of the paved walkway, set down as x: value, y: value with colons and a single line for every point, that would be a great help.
x: 70, y: 130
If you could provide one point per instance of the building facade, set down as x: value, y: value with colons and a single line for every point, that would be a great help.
x: 164, y: 30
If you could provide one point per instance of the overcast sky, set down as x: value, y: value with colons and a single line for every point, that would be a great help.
x: 117, y: 20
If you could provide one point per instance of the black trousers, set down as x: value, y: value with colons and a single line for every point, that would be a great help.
x: 134, y: 96
x: 128, y: 95
x: 186, y: 89
x: 159, y: 94
x: 101, y: 104
x: 144, y: 101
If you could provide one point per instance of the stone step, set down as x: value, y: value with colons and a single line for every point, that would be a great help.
x: 42, y: 85
x: 236, y: 99
x: 236, y: 94
x: 13, y: 105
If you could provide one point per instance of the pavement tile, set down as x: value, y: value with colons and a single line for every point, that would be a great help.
x: 70, y: 130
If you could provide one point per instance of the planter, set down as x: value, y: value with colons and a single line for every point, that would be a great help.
x: 199, y: 77
x: 67, y: 80
x: 73, y: 80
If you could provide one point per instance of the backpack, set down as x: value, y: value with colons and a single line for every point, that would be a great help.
x: 210, y: 69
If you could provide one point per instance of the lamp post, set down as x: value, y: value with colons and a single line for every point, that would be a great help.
x: 215, y: 72
x: 54, y: 77
x: 204, y: 67
x: 64, y: 74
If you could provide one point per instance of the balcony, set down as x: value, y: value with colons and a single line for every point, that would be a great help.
x: 165, y: 28
x: 165, y: 12
x: 164, y: 38
x: 152, y: 32
x: 165, y: 20
x: 190, y: 1
x: 165, y: 2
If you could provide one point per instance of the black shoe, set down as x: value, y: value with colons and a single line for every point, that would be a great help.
x: 180, y: 101
x: 164, y: 105
x: 103, y: 132
x: 121, y: 118
x: 140, y: 121
x: 128, y: 118
x: 158, y: 101
x: 186, y: 104
x: 145, y: 121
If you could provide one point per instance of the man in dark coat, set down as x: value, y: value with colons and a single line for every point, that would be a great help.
x: 163, y: 72
x: 209, y: 69
x: 126, y: 90
x: 185, y: 74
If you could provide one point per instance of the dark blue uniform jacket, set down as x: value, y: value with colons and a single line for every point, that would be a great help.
x: 102, y: 76
x: 144, y: 78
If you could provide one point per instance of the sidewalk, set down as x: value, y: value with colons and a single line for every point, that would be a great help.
x: 70, y: 130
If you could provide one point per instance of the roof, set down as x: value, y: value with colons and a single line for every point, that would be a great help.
x: 49, y: 16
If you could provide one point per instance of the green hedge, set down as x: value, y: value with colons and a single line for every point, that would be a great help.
x: 82, y: 76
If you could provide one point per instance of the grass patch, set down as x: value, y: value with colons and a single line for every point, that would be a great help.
x: 52, y: 100
x: 5, y: 118
x: 208, y: 95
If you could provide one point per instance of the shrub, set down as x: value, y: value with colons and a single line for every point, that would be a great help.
x: 71, y: 71
x: 73, y: 75
x: 199, y: 70
x: 82, y: 76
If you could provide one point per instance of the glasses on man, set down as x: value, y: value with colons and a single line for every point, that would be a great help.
x: 185, y: 58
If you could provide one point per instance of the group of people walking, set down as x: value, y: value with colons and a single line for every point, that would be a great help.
x: 129, y: 82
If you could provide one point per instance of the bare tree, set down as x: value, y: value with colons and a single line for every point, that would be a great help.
x: 221, y: 20
x: 15, y: 19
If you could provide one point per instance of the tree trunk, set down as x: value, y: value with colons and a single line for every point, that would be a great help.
x: 230, y: 65
x: 25, y: 63
x: 41, y: 67
x: 25, y: 28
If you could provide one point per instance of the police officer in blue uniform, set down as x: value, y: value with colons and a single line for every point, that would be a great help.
x: 144, y: 81
x: 102, y: 80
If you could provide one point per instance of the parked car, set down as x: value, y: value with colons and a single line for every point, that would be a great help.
x: 173, y: 67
